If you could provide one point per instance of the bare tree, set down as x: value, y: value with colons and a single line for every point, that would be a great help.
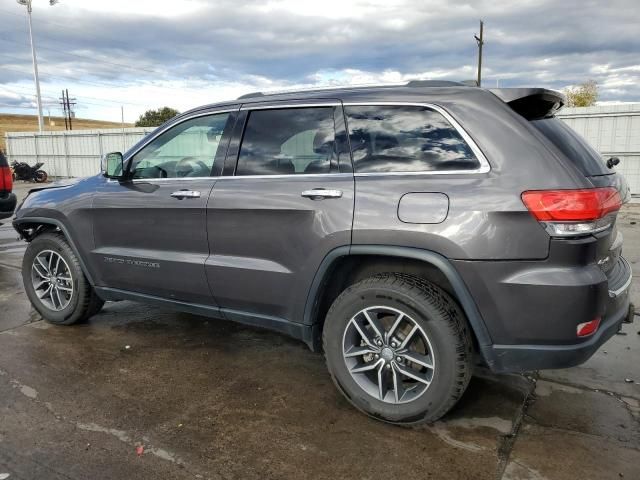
x: 584, y: 95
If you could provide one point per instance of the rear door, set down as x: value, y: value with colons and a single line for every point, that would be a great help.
x: 286, y: 203
x: 150, y: 231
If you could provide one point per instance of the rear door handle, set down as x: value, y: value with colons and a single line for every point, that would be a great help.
x: 180, y: 194
x: 320, y: 193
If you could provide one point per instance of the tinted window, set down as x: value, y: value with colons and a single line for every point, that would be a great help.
x: 186, y: 150
x: 574, y: 147
x: 405, y: 139
x: 287, y: 141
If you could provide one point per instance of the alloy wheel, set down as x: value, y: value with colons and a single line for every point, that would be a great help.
x: 52, y: 280
x: 388, y: 354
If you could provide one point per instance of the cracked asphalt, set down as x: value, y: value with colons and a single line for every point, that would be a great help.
x: 215, y: 400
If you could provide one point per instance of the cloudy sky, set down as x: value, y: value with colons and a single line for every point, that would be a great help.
x: 182, y: 53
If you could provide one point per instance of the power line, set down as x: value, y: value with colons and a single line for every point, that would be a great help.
x: 75, y: 79
x: 26, y: 91
x: 77, y: 55
x: 66, y: 27
x: 69, y: 77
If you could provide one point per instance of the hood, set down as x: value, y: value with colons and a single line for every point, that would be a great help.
x: 67, y: 182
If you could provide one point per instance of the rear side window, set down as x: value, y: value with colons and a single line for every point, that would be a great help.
x: 405, y: 139
x: 573, y: 146
x: 288, y: 141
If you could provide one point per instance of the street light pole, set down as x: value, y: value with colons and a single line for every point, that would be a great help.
x: 27, y: 3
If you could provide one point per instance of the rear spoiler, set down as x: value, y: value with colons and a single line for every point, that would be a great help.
x: 531, y: 103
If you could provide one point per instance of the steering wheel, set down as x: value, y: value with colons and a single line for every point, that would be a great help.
x: 190, y: 167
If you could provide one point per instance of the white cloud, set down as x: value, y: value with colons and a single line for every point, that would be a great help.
x: 146, y: 54
x: 153, y: 8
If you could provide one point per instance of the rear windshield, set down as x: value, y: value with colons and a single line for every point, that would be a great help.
x: 574, y: 147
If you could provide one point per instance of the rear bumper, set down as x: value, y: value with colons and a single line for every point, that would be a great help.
x: 522, y: 358
x: 7, y: 205
x: 532, y: 310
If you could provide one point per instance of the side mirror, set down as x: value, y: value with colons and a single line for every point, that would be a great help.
x: 112, y: 165
x: 612, y: 162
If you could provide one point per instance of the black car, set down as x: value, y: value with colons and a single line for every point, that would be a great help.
x: 7, y: 197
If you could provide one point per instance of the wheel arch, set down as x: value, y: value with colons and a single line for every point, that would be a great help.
x: 30, y: 227
x: 347, y: 265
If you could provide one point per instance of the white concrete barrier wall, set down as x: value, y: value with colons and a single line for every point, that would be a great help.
x: 613, y: 130
x: 74, y: 153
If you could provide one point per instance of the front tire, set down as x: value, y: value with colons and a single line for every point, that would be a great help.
x: 398, y: 348
x: 55, y: 282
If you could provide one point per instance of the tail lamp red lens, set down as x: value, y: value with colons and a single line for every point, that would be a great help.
x: 573, y: 212
x: 6, y: 180
x: 588, y: 328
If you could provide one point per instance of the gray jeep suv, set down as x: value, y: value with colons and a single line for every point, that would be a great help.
x: 409, y: 232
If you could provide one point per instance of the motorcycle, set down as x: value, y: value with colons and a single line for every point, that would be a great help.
x: 24, y: 171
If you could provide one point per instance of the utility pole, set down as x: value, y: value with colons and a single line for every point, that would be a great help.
x: 27, y: 3
x: 63, y: 102
x: 480, y: 41
x: 66, y: 107
x: 71, y: 112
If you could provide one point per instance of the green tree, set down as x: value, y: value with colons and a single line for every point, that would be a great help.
x: 153, y: 118
x: 584, y: 95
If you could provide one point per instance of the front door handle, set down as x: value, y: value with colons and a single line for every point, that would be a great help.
x: 180, y: 194
x: 320, y: 193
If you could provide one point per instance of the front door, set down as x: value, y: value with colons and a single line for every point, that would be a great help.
x: 288, y: 202
x: 150, y: 230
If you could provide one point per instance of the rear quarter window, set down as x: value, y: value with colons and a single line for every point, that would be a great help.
x: 405, y: 139
x: 573, y: 146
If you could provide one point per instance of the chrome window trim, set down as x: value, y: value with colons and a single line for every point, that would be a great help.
x: 162, y: 180
x: 168, y: 127
x: 276, y: 106
x: 230, y: 177
x: 485, y: 167
x: 290, y: 176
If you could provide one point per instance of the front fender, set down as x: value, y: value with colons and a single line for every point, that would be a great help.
x: 30, y: 222
x: 67, y: 207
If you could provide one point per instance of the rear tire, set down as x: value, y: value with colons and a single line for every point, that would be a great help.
x: 40, y: 176
x: 415, y: 362
x: 55, y: 282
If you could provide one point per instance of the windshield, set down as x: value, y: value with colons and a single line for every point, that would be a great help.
x: 573, y: 146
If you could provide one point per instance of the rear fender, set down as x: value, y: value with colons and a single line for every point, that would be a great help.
x: 459, y: 287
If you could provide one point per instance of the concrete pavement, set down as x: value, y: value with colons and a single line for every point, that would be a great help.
x: 211, y: 399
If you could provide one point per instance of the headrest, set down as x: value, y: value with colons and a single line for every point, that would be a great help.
x: 323, y: 142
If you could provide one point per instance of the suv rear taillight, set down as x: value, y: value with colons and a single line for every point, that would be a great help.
x: 568, y: 213
x: 6, y: 180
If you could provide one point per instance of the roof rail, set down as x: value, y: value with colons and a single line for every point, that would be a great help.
x: 410, y: 84
x: 433, y: 83
x: 251, y: 95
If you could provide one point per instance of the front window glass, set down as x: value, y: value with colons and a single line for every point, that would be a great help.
x: 186, y: 150
x: 287, y: 142
x: 405, y: 139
